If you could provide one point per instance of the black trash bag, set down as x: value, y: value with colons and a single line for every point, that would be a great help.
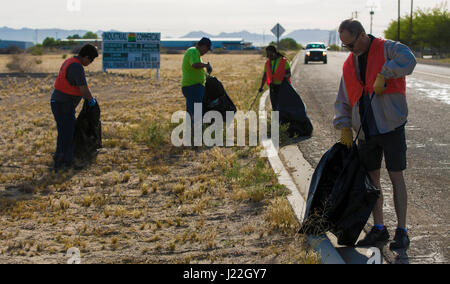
x: 322, y: 183
x: 216, y: 98
x: 293, y: 111
x: 341, y: 196
x: 87, y: 137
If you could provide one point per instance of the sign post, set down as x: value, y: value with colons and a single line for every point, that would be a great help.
x: 278, y: 30
x: 131, y: 51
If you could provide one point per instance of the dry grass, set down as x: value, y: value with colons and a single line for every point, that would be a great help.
x: 141, y: 200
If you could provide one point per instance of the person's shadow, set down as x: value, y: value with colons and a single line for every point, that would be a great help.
x: 40, y: 186
x: 30, y: 189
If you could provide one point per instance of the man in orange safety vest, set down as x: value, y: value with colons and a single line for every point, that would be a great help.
x: 372, y: 94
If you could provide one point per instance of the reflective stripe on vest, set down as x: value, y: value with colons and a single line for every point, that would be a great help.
x: 375, y: 63
x: 279, y: 73
x: 61, y: 83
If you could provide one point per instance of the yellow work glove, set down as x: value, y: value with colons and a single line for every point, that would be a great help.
x: 380, y: 84
x: 346, y: 137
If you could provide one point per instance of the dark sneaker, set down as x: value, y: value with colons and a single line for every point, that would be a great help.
x: 401, y: 240
x: 373, y: 237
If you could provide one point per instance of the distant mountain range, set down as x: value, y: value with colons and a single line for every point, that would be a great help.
x: 33, y: 35
x: 301, y: 36
x: 258, y: 39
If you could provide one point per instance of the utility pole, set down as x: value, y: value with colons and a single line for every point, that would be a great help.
x: 371, y: 20
x: 373, y: 5
x: 411, y: 24
x: 398, y: 24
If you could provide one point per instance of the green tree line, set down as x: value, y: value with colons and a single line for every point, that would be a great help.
x: 430, y: 30
x: 288, y: 44
x: 50, y: 42
x: 88, y: 35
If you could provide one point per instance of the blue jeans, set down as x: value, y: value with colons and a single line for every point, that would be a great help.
x: 193, y: 94
x: 64, y: 113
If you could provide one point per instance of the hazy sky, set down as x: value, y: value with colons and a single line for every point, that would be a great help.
x: 175, y: 18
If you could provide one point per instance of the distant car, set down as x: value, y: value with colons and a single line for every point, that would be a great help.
x: 316, y: 51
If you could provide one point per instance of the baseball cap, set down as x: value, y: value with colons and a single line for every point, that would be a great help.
x: 205, y: 41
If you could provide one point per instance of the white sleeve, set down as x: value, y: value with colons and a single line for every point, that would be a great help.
x: 342, y: 108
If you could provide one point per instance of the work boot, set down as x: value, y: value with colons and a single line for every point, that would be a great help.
x: 373, y: 237
x: 401, y: 240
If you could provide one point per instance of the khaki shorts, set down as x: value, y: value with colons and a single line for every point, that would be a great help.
x: 392, y: 145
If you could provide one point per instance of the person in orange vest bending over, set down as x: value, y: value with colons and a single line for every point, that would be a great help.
x: 376, y: 67
x: 70, y: 87
x: 276, y: 70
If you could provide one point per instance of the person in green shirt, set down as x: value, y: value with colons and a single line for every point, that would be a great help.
x: 277, y: 74
x: 194, y: 76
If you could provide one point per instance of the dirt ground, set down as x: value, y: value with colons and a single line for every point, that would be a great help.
x: 141, y: 200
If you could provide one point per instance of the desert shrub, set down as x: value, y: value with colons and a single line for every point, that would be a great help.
x: 22, y: 63
x: 36, y: 50
x: 257, y: 178
x: 280, y: 216
x: 152, y: 133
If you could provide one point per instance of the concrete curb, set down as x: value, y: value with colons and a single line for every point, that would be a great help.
x: 321, y: 244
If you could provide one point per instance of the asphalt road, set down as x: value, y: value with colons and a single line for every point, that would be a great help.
x: 428, y: 140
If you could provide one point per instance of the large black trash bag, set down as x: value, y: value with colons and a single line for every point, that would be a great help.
x: 216, y: 98
x: 87, y: 137
x: 341, y: 196
x: 322, y: 183
x: 293, y: 111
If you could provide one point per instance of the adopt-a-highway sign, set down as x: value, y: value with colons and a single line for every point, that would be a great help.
x: 131, y: 50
